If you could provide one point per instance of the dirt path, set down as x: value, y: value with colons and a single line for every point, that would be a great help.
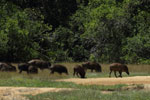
x: 16, y: 93
x: 110, y: 81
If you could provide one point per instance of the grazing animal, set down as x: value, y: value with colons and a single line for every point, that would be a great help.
x: 118, y: 67
x: 33, y: 70
x: 28, y: 68
x: 40, y: 64
x: 92, y: 66
x: 59, y: 69
x: 23, y: 67
x: 79, y: 70
x: 7, y: 67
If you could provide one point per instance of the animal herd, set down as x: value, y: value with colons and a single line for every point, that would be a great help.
x: 31, y: 67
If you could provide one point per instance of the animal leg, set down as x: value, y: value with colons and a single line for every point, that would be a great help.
x: 20, y: 71
x: 110, y: 73
x: 74, y: 73
x: 82, y: 75
x: 66, y: 73
x: 120, y: 74
x: 52, y: 72
x: 78, y: 74
x: 28, y: 72
x: 115, y: 74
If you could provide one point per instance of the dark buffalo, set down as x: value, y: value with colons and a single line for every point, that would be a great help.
x: 33, y: 70
x: 23, y: 67
x: 40, y: 64
x: 118, y: 67
x: 27, y: 68
x: 92, y: 66
x: 7, y: 67
x: 59, y: 69
x: 79, y: 70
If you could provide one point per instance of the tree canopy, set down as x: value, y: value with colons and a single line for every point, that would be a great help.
x: 75, y: 30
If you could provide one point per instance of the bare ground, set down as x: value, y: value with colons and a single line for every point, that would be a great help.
x: 16, y: 93
x: 110, y: 81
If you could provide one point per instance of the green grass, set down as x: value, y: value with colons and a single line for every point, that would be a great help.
x: 81, y: 92
x: 45, y: 79
x: 91, y: 94
x: 30, y: 81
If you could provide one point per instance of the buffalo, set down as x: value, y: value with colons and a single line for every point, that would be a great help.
x: 59, y: 69
x: 28, y: 68
x: 92, y: 66
x: 118, y: 67
x: 33, y: 70
x: 40, y: 64
x: 23, y: 67
x: 79, y: 70
x: 7, y: 67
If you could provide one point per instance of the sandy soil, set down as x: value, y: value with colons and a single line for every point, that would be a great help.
x: 16, y: 93
x: 110, y: 81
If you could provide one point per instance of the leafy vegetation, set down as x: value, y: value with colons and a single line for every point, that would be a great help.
x: 77, y: 30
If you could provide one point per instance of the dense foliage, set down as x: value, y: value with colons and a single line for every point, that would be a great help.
x: 75, y: 30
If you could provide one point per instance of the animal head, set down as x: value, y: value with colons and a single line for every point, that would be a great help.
x: 82, y: 74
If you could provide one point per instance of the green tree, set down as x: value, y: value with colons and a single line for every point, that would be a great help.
x: 138, y: 46
x: 107, y: 27
x: 20, y: 33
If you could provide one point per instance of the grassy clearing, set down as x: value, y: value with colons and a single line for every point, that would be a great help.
x: 32, y: 81
x: 135, y: 70
x: 91, y: 94
x: 45, y: 79
x: 82, y: 92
